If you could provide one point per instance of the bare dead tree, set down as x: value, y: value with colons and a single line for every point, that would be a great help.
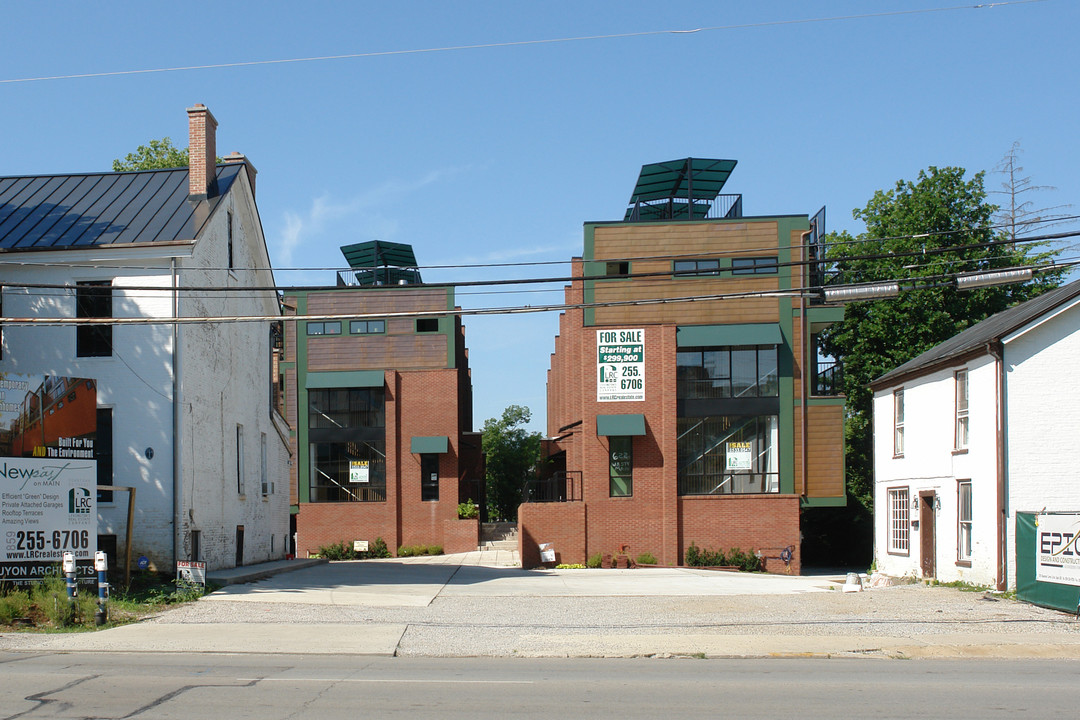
x: 1017, y: 213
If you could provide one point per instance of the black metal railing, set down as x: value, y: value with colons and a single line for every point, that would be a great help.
x: 669, y: 209
x: 563, y: 486
x: 828, y: 378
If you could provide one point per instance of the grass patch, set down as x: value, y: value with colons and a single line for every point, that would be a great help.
x: 44, y: 606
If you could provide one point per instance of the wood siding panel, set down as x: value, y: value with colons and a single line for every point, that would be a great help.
x: 719, y: 240
x: 376, y: 302
x: 376, y: 352
x: 825, y: 454
x: 630, y: 241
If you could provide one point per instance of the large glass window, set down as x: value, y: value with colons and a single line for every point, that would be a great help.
x: 963, y: 520
x: 899, y: 521
x: 347, y: 434
x: 753, y: 266
x: 727, y: 372
x: 728, y: 455
x: 621, y: 464
x: 324, y: 328
x: 697, y: 267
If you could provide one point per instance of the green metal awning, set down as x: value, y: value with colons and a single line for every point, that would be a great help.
x: 433, y: 444
x: 728, y: 335
x: 618, y: 425
x: 379, y: 253
x: 694, y: 178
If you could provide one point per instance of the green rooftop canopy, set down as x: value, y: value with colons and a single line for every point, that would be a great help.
x: 693, y: 182
x: 379, y: 253
x: 691, y: 178
x: 380, y: 263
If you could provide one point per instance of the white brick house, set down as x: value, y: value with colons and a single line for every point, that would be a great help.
x: 192, y: 421
x: 972, y: 431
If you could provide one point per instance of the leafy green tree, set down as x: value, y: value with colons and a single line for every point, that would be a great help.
x: 157, y: 155
x: 906, y: 227
x: 511, y: 456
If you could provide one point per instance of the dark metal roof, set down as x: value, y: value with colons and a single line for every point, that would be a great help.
x: 690, y: 178
x: 990, y: 330
x: 91, y: 210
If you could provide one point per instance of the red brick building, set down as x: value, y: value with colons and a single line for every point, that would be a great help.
x: 686, y: 401
x: 378, y: 393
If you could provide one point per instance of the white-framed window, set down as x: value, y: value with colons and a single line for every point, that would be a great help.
x: 961, y: 441
x: 963, y: 520
x: 899, y: 521
x: 898, y: 423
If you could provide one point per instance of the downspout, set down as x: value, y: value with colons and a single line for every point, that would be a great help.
x: 177, y: 484
x: 804, y: 391
x: 999, y: 402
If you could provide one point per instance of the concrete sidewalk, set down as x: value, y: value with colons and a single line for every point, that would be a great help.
x: 474, y: 604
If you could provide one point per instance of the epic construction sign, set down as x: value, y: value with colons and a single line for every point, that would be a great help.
x: 48, y: 475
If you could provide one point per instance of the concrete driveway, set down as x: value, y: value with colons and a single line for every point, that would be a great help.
x: 416, y: 582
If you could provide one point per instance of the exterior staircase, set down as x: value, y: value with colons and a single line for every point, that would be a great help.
x: 498, y: 536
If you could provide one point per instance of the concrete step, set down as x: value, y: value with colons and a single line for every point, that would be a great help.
x: 493, y: 532
x: 499, y: 545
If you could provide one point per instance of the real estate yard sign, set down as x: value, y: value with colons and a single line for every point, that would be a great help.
x: 48, y: 475
x: 1057, y: 557
x: 620, y: 365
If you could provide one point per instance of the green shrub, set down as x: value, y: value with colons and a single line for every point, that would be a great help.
x: 14, y: 604
x: 468, y: 510
x: 344, y: 551
x: 646, y: 558
x: 747, y: 561
x: 417, y: 550
x: 693, y: 556
x: 378, y: 549
x: 594, y: 561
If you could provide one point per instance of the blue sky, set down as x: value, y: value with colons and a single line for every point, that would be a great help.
x: 500, y: 154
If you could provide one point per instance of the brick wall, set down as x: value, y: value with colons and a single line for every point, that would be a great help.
x: 768, y: 523
x: 561, y: 524
x: 460, y: 535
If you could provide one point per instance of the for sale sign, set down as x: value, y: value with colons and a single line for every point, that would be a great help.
x: 48, y: 475
x: 620, y: 365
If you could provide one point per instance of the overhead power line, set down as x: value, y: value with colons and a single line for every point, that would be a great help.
x: 809, y: 291
x: 515, y: 43
x: 422, y: 287
x: 7, y: 258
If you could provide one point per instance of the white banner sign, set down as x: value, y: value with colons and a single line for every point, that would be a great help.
x: 620, y: 365
x: 48, y: 507
x: 1057, y: 557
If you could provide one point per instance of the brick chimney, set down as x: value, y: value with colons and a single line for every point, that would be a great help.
x: 236, y: 157
x: 202, y: 153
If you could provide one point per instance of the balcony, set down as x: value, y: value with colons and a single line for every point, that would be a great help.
x: 828, y: 378
x: 562, y: 486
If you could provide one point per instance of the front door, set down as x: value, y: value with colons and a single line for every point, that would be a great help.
x: 926, y: 533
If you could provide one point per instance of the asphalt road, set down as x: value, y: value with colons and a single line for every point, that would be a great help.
x: 137, y: 685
